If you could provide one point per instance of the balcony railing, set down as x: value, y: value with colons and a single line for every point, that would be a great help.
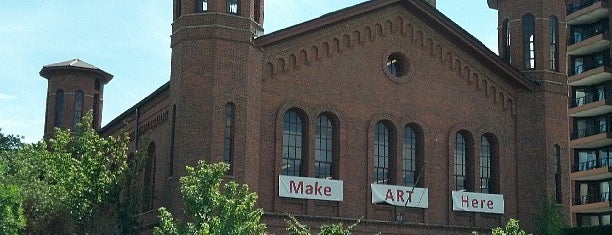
x: 592, y: 130
x: 592, y: 164
x: 590, y: 98
x: 586, y: 66
x: 592, y: 198
x: 579, y: 5
x: 579, y: 37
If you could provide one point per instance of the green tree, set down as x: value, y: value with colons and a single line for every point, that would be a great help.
x: 216, y: 209
x: 550, y: 220
x: 297, y: 228
x: 12, y: 220
x: 66, y: 180
x: 512, y: 228
x: 9, y: 142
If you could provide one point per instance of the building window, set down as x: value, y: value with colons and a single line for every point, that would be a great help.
x: 257, y: 11
x: 78, y: 108
x: 557, y: 169
x: 397, y: 65
x: 485, y: 165
x: 382, y: 154
x: 554, y: 48
x: 59, y: 107
x: 324, y: 148
x: 293, y: 144
x: 96, y: 111
x: 149, y: 179
x: 232, y: 6
x: 506, y: 37
x: 529, y: 41
x: 228, y: 153
x: 461, y: 162
x: 201, y: 5
x: 409, y: 160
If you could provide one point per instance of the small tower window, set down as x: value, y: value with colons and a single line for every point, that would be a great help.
x: 529, y: 41
x: 506, y: 46
x: 554, y: 49
x: 228, y: 154
x: 59, y: 107
x: 202, y: 5
x: 232, y: 6
x: 78, y: 108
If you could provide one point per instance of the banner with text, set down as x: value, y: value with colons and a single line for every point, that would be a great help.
x: 478, y: 202
x: 400, y: 195
x: 310, y: 188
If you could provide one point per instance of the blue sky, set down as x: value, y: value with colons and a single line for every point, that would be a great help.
x: 131, y: 40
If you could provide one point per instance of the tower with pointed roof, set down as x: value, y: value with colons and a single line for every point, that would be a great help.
x: 74, y: 88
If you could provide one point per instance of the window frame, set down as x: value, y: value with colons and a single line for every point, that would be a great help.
x: 232, y: 3
x: 78, y: 108
x: 411, y: 156
x: 386, y: 155
x: 59, y: 107
x: 462, y: 159
x: 228, y: 139
x: 553, y: 25
x: 529, y: 56
x: 201, y: 6
x: 299, y: 151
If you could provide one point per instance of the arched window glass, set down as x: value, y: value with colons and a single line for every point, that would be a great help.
x: 557, y: 170
x: 554, y: 48
x: 460, y: 162
x: 506, y: 38
x: 485, y: 165
x: 59, y: 107
x: 409, y: 161
x: 233, y: 6
x: 228, y: 153
x: 529, y: 41
x: 78, y: 108
x: 293, y: 143
x: 149, y: 179
x: 201, y: 5
x: 324, y: 148
x: 382, y: 153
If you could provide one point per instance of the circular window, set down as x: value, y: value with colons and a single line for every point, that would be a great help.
x: 396, y: 65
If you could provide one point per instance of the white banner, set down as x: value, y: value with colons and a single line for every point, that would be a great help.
x: 478, y: 202
x: 310, y: 188
x: 400, y: 195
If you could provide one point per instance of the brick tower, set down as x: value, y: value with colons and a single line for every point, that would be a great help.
x: 216, y: 79
x: 532, y: 38
x: 74, y: 88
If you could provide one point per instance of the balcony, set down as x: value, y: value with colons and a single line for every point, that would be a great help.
x: 591, y: 105
x: 592, y: 203
x: 592, y: 170
x: 592, y: 137
x: 586, y: 11
x: 590, y: 73
x: 585, y: 44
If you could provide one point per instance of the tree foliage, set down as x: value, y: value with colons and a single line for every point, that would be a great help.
x: 216, y: 209
x: 512, y: 228
x: 9, y: 142
x: 550, y: 221
x: 297, y: 228
x: 12, y: 220
x: 66, y: 180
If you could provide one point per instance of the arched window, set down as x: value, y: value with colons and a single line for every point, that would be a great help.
x: 78, y: 108
x: 410, y: 154
x: 257, y: 11
x: 228, y: 146
x: 324, y: 148
x: 149, y: 179
x: 233, y: 6
x: 529, y: 41
x: 557, y: 170
x: 383, y: 153
x: 293, y: 144
x: 201, y: 5
x: 506, y: 38
x: 59, y: 107
x: 554, y: 47
x: 488, y: 165
x: 461, y: 161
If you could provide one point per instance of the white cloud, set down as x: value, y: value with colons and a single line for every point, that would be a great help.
x: 7, y: 97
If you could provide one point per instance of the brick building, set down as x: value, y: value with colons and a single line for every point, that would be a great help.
x: 386, y: 111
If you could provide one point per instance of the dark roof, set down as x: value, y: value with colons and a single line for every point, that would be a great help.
x: 428, y: 13
x: 75, y: 64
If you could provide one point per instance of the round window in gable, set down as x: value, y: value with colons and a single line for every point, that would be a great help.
x: 396, y: 65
